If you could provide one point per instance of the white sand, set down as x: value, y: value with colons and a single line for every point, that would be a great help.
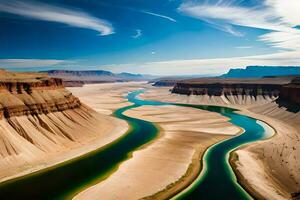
x: 166, y: 160
x: 107, y: 97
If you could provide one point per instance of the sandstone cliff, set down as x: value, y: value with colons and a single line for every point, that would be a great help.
x: 42, y: 123
x: 19, y: 98
x: 239, y: 91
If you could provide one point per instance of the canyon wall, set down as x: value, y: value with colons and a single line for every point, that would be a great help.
x: 291, y: 92
x: 218, y: 89
x: 284, y: 89
x: 35, y: 97
x: 42, y: 123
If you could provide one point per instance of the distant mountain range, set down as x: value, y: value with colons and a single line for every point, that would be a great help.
x: 77, y: 78
x: 262, y: 71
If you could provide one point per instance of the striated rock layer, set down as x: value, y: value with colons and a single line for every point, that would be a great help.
x: 217, y: 87
x: 42, y: 124
x: 34, y: 96
x: 286, y: 88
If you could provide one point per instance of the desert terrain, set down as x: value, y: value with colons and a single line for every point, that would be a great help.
x: 43, y: 124
x: 267, y: 169
x: 169, y: 163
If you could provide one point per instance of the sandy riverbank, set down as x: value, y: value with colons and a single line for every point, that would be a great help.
x: 269, y: 168
x: 32, y: 143
x: 169, y: 163
x: 107, y: 97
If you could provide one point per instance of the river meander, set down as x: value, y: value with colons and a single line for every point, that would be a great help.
x: 65, y: 180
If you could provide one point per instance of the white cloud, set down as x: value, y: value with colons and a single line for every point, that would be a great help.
x: 138, y: 34
x: 25, y: 63
x: 278, y: 16
x: 159, y: 15
x: 287, y: 9
x: 45, y: 12
x: 231, y: 14
x: 207, y: 66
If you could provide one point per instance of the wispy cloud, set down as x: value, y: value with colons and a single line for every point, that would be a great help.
x: 138, y: 34
x: 25, y: 63
x: 277, y: 16
x: 207, y: 66
x: 159, y: 15
x: 46, y: 12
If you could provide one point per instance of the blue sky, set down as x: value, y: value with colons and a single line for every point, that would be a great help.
x: 162, y: 37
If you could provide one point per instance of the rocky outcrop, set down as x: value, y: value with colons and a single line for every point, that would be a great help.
x: 218, y: 89
x: 34, y: 96
x: 229, y: 87
x: 286, y: 89
x: 291, y: 92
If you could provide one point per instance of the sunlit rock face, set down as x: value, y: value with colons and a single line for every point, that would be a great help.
x: 29, y: 94
x: 42, y: 122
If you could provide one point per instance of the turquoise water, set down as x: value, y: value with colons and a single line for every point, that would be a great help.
x: 218, y: 181
x: 65, y: 180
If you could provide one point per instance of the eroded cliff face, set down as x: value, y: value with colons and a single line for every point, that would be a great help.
x: 219, y: 89
x: 291, y: 92
x: 31, y: 98
x: 239, y: 90
x: 42, y: 123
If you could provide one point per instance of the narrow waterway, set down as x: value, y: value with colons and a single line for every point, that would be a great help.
x: 65, y: 180
x: 217, y: 179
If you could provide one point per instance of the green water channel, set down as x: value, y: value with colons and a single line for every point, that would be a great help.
x: 65, y: 180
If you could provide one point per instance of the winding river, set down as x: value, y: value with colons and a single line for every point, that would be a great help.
x: 65, y: 180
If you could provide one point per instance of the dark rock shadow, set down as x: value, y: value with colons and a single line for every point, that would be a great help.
x: 291, y: 107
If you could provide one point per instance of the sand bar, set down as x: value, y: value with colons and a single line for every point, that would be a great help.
x: 186, y: 133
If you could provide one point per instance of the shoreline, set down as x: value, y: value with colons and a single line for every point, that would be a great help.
x: 242, y: 110
x: 233, y: 158
x: 160, y: 134
x: 191, y: 174
x: 182, y: 179
x: 84, y: 151
x: 200, y: 171
x: 130, y: 156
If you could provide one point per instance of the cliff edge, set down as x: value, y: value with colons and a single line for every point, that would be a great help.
x: 42, y: 123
